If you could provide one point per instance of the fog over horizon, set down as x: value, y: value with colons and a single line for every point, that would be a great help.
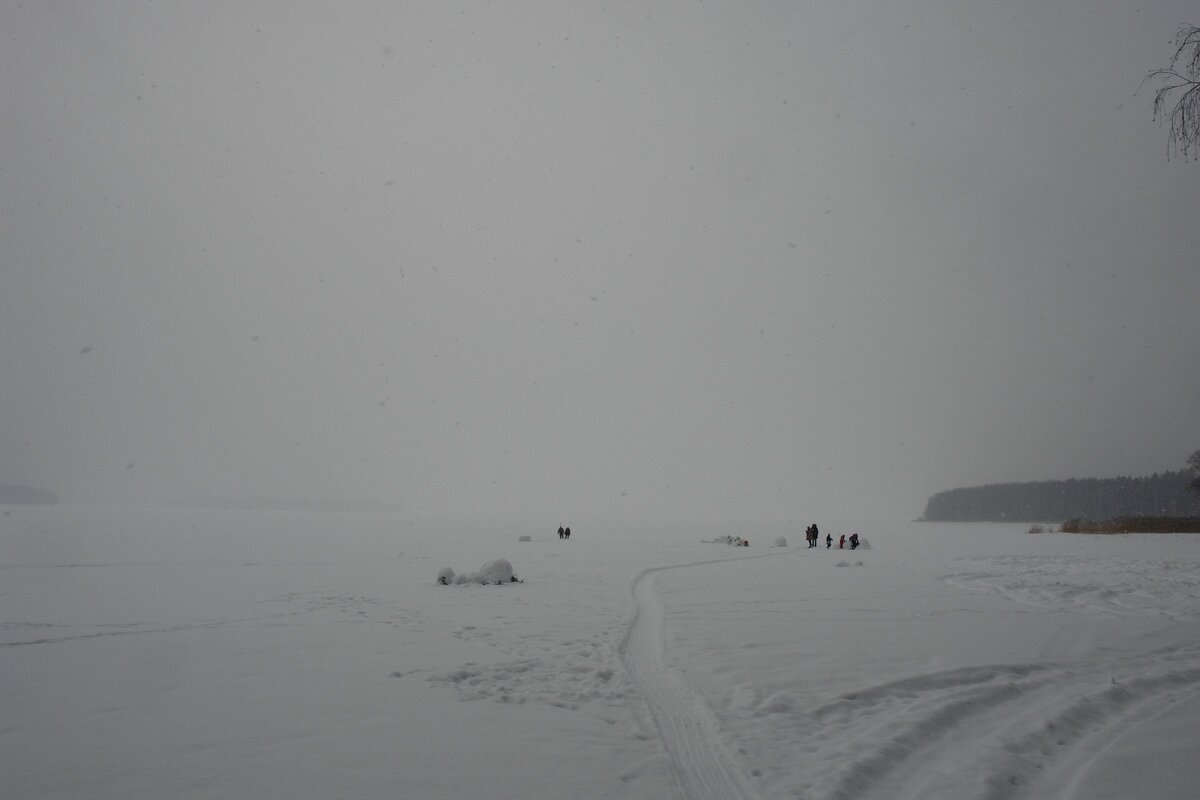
x: 742, y: 261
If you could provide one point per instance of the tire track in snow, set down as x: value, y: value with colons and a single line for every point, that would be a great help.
x: 687, y: 726
x: 994, y: 733
x: 986, y: 732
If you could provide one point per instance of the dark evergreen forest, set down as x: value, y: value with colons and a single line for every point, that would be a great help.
x: 1165, y: 494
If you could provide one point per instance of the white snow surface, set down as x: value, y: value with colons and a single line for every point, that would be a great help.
x: 206, y: 653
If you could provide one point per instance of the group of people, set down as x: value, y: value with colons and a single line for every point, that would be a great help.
x: 564, y: 533
x: 812, y: 536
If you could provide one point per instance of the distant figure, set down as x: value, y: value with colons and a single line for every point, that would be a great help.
x: 816, y: 535
x: 828, y: 541
x: 561, y: 533
x: 842, y: 542
x: 853, y: 540
x: 567, y: 533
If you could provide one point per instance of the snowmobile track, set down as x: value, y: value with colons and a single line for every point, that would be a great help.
x: 687, y: 726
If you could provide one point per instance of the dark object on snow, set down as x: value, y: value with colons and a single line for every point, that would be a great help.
x: 853, y: 541
x: 828, y: 540
x: 842, y: 542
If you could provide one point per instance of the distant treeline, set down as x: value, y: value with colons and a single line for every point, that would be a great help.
x: 26, y: 495
x: 1161, y: 494
x: 1134, y: 525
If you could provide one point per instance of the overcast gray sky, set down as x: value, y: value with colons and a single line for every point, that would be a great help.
x: 744, y: 260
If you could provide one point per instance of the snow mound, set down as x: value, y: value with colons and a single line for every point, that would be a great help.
x: 498, y: 571
x: 781, y: 541
x: 524, y: 538
x: 493, y: 572
x: 734, y: 541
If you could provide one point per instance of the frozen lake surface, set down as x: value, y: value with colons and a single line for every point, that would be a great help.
x: 206, y: 653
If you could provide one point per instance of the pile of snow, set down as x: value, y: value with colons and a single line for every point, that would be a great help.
x: 729, y: 539
x: 493, y: 572
x: 781, y: 541
x: 524, y: 538
x: 498, y: 571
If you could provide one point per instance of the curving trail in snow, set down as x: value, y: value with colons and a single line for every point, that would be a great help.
x: 1040, y: 727
x: 995, y: 732
x: 687, y: 726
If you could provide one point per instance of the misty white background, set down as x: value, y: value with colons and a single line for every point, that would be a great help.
x: 696, y: 260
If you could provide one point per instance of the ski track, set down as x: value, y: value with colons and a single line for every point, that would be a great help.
x: 688, y: 728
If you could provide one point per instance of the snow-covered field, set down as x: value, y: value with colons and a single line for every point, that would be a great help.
x: 221, y: 654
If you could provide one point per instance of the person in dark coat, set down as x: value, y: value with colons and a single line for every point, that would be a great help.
x: 828, y: 540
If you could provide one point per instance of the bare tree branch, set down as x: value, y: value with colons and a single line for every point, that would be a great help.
x: 1177, y: 101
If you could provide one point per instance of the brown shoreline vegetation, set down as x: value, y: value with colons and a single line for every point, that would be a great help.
x: 1134, y: 525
